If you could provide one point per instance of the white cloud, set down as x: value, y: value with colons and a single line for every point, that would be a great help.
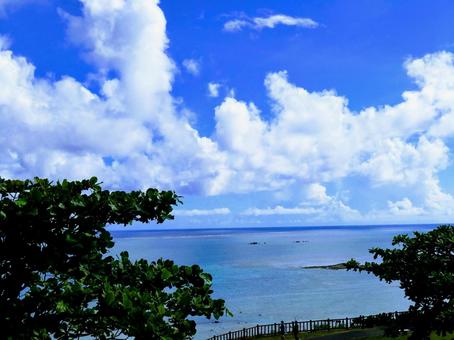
x: 404, y: 207
x: 192, y: 66
x: 133, y: 135
x: 271, y: 21
x: 280, y: 210
x: 335, y: 211
x: 202, y: 212
x: 213, y: 89
x: 314, y: 136
x: 317, y: 193
x: 235, y: 25
x: 395, y: 161
x: 435, y: 199
x: 280, y: 19
x: 317, y: 206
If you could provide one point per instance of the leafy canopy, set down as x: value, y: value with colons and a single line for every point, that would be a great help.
x: 57, y: 280
x: 424, y: 265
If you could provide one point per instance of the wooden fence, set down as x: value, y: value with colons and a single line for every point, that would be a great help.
x: 308, y: 326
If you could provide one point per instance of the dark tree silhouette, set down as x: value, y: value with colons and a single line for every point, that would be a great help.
x: 424, y: 265
x: 57, y: 280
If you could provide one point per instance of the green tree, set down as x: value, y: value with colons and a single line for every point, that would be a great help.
x: 424, y: 265
x: 58, y: 280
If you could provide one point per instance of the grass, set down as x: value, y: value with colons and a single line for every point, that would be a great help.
x: 354, y: 334
x: 303, y: 335
x: 405, y: 337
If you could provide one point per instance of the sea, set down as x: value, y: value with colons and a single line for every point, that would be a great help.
x: 260, y: 273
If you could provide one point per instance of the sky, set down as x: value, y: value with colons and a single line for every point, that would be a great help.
x: 259, y: 113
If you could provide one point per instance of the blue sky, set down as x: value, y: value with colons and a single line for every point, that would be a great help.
x: 260, y: 113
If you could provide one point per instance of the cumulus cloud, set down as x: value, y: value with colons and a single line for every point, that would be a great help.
x: 271, y: 21
x: 280, y: 210
x: 316, y: 206
x: 404, y: 207
x: 202, y: 212
x: 334, y: 211
x: 314, y: 136
x: 192, y: 66
x: 132, y: 134
x: 213, y: 89
x: 316, y: 192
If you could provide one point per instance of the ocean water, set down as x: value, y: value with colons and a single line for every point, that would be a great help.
x: 265, y: 282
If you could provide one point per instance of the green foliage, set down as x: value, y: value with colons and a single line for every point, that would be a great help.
x: 56, y: 279
x: 424, y: 265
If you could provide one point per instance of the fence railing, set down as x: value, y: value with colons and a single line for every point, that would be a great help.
x: 283, y: 328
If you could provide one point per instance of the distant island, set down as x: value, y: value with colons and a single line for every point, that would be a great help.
x: 256, y: 243
x: 337, y: 266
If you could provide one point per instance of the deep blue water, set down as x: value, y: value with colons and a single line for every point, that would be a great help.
x: 265, y: 283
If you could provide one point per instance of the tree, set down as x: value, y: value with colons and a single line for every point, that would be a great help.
x: 424, y: 265
x: 58, y: 280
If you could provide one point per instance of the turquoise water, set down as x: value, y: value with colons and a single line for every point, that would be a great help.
x: 264, y: 283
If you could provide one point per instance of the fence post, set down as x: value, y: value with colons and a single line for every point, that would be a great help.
x: 329, y: 326
x: 310, y: 325
x: 346, y: 323
x: 258, y: 330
